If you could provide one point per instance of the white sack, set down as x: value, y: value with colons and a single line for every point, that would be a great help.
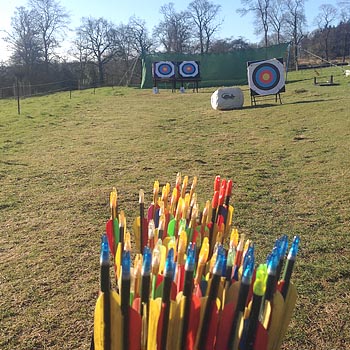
x: 227, y: 98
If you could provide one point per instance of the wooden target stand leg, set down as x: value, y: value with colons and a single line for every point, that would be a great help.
x: 279, y: 97
x: 172, y: 81
x: 253, y: 98
x: 195, y: 85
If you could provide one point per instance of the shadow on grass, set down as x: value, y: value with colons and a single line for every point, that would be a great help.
x: 297, y: 80
x: 307, y: 101
x: 265, y: 105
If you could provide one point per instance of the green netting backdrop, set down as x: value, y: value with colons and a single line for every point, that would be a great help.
x: 224, y: 69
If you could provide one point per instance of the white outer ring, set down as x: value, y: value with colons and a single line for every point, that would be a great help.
x: 190, y: 75
x: 162, y: 75
x: 273, y: 90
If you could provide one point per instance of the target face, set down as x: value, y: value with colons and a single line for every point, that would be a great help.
x: 188, y: 69
x: 266, y: 77
x: 164, y: 70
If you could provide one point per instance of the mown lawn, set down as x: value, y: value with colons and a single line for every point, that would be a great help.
x: 60, y: 158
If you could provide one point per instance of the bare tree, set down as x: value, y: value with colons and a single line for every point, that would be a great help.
x: 344, y: 10
x: 80, y: 52
x: 277, y: 18
x: 327, y: 14
x: 24, y: 40
x: 141, y: 41
x: 123, y: 42
x: 229, y: 45
x: 174, y: 32
x: 204, y: 15
x: 52, y: 20
x: 343, y: 39
x: 295, y: 22
x: 98, y: 39
x: 344, y: 6
x: 261, y: 10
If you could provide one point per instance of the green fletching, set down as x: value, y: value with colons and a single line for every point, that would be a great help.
x: 260, y: 280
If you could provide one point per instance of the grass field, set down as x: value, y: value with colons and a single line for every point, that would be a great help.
x: 60, y: 158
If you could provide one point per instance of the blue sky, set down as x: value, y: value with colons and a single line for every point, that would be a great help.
x: 120, y: 11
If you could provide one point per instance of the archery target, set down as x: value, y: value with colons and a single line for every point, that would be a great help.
x: 163, y: 70
x: 266, y: 77
x: 188, y: 69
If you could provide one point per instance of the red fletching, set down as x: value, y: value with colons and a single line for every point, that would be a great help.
x: 180, y: 278
x: 224, y: 327
x: 215, y: 201
x: 214, y: 319
x: 222, y: 196
x: 280, y: 285
x: 159, y: 281
x: 173, y: 292
x: 110, y: 237
x: 223, y: 185
x: 197, y: 291
x: 135, y: 324
x: 220, y: 221
x: 193, y: 323
x: 195, y: 236
x: 150, y: 212
x: 229, y: 188
x: 261, y: 339
x: 136, y: 304
x: 217, y: 183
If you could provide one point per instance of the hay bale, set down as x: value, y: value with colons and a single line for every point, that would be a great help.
x: 227, y: 98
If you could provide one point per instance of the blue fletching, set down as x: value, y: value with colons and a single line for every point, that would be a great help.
x: 219, y: 264
x: 248, y: 266
x: 147, y: 261
x: 284, y: 246
x: 191, y: 257
x: 224, y: 266
x: 126, y: 261
x: 294, y: 248
x: 273, y: 262
x: 104, y: 257
x: 170, y: 264
x: 249, y: 252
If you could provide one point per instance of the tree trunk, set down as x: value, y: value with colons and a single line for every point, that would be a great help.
x: 296, y: 55
x: 100, y: 72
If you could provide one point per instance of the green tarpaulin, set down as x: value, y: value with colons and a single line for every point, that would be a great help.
x: 224, y: 69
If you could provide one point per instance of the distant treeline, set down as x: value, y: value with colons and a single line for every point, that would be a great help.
x: 104, y: 53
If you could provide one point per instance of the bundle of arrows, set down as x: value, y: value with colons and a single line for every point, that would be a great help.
x: 194, y: 283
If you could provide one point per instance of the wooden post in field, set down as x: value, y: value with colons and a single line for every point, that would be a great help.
x: 19, y: 74
x: 18, y: 99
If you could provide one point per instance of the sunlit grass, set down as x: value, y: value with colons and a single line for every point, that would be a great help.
x: 60, y: 158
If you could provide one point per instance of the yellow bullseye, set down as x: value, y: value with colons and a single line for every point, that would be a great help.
x: 266, y: 76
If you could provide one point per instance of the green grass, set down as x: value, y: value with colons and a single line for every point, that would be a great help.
x: 60, y: 158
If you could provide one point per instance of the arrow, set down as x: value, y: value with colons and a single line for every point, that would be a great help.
x: 204, y: 342
x: 125, y: 297
x: 167, y: 283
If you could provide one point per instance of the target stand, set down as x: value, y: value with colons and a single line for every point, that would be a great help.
x: 188, y: 72
x: 266, y: 78
x: 254, y: 95
x: 164, y: 72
